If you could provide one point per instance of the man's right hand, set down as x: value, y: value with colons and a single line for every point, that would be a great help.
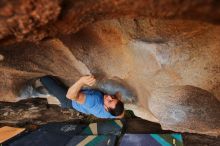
x: 87, y: 80
x: 73, y: 92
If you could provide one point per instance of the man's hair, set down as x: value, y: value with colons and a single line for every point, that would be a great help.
x: 118, y: 110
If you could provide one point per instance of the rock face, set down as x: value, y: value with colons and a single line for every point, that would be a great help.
x: 35, y: 111
x: 172, y: 66
x: 34, y: 20
x: 184, y: 106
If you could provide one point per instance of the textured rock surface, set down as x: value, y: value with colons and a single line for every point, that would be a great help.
x: 186, y: 106
x: 35, y: 111
x: 34, y: 20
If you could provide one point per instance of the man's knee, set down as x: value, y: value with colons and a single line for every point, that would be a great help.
x: 45, y: 78
x: 48, y: 79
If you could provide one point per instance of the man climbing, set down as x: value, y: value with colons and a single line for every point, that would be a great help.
x: 88, y: 101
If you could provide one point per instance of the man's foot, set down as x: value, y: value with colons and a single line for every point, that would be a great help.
x: 32, y: 89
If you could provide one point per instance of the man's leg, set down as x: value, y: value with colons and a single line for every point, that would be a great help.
x: 57, y: 89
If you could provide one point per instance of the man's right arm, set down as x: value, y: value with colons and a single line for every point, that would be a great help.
x: 74, y: 93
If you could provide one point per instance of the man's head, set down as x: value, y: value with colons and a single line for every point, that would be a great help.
x: 113, y: 105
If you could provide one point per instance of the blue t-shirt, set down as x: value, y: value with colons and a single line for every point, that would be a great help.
x: 94, y: 104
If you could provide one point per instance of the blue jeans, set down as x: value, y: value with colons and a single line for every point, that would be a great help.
x: 57, y: 89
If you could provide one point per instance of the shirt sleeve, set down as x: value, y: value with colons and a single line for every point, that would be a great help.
x: 105, y: 115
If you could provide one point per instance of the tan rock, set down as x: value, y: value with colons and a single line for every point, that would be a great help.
x: 187, y: 108
x: 147, y: 54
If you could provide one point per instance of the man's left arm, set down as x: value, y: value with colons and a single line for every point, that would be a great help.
x: 74, y: 93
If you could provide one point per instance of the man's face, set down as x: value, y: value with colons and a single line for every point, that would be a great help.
x: 109, y: 102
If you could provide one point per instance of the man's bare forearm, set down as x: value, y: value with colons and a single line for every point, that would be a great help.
x: 73, y: 91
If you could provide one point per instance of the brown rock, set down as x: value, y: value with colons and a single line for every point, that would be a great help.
x: 147, y: 53
x: 35, y: 111
x: 187, y: 108
x: 34, y: 20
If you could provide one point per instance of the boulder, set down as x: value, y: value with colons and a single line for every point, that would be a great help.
x: 187, y: 108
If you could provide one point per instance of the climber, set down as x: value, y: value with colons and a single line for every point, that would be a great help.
x: 88, y: 101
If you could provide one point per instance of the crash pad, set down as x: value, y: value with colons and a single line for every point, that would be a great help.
x: 92, y: 140
x: 113, y: 127
x: 173, y: 139
x: 59, y: 134
x: 7, y: 132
